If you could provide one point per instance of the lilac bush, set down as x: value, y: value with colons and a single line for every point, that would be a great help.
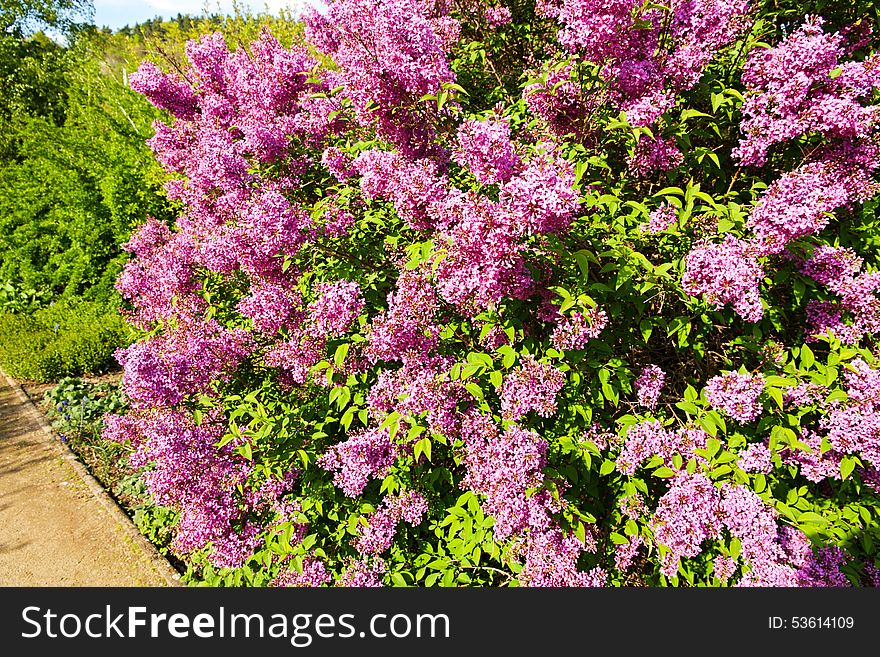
x: 510, y: 293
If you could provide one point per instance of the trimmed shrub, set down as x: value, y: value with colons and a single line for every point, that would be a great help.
x: 61, y: 340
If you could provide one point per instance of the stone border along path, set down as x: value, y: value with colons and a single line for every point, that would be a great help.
x: 58, y: 526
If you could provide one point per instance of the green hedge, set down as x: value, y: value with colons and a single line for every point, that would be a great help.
x: 61, y: 340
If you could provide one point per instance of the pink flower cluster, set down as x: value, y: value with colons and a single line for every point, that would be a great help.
x: 532, y: 386
x: 378, y: 534
x: 648, y: 386
x: 723, y: 273
x: 364, y: 455
x: 503, y: 467
x: 188, y: 474
x: 420, y: 387
x: 485, y: 148
x: 652, y: 155
x: 756, y: 457
x: 857, y: 312
x: 561, y: 103
x: 647, y: 54
x: 406, y: 329
x: 694, y: 511
x: 337, y: 307
x: 661, y: 219
x: 313, y: 575
x: 812, y: 463
x: 574, y: 331
x: 736, y: 394
x: 855, y: 428
x: 497, y: 16
x: 389, y: 54
x: 800, y: 87
x: 649, y: 438
x: 798, y: 203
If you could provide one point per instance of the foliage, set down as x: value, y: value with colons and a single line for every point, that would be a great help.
x: 75, y: 175
x: 75, y: 409
x: 60, y: 340
x: 557, y: 293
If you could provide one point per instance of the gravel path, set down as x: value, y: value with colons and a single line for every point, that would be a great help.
x: 57, y: 526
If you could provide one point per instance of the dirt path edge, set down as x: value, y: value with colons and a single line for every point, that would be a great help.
x: 168, y: 573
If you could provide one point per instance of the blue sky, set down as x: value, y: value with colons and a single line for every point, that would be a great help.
x: 117, y: 13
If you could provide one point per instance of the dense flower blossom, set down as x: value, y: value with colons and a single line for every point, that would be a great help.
x: 750, y: 520
x: 812, y: 463
x: 694, y: 511
x: 685, y: 517
x: 502, y: 467
x: 799, y: 203
x: 736, y: 394
x: 793, y: 92
x: 533, y: 386
x: 857, y: 310
x: 574, y: 331
x: 723, y: 273
x: 420, y: 386
x: 542, y: 195
x: 412, y: 186
x: 830, y: 265
x: 647, y: 54
x: 497, y: 16
x: 190, y: 475
x: 794, y: 562
x: 407, y: 327
x: 661, y: 219
x: 482, y: 263
x: 648, y: 386
x: 550, y: 560
x: 649, y: 438
x: 363, y: 573
x: 390, y: 53
x: 724, y: 567
x: 337, y: 307
x: 485, y: 148
x: 378, y: 534
x: 654, y: 156
x: 314, y: 574
x: 756, y: 458
x: 164, y: 91
x: 163, y: 370
x: 560, y: 102
x: 270, y: 306
x: 624, y: 553
x: 162, y: 272
x: 365, y: 455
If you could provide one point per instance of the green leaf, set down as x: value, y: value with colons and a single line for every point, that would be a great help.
x: 474, y: 389
x: 776, y: 395
x: 607, y: 467
x: 807, y: 357
x: 341, y: 353
x: 813, y: 518
x: 423, y: 446
x: 664, y: 472
x: 847, y: 465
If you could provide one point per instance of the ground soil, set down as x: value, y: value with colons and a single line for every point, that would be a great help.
x: 55, y: 528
